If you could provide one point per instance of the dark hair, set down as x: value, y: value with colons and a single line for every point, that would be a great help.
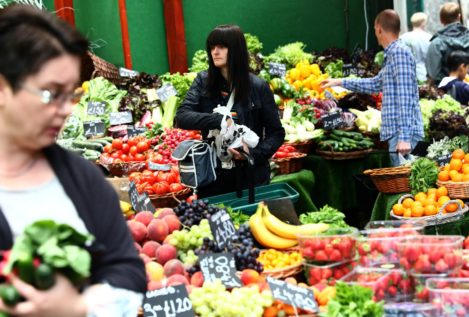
x: 231, y: 37
x: 449, y: 13
x: 29, y: 38
x: 389, y: 20
x: 455, y: 59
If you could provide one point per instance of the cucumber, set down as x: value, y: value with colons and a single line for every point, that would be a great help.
x: 103, y: 142
x: 88, y: 145
x: 10, y: 295
x: 44, y: 277
x: 25, y: 268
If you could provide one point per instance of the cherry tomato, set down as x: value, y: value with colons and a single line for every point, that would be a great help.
x: 142, y: 146
x: 117, y: 144
x: 107, y: 148
x: 125, y: 148
x: 139, y: 157
x: 280, y: 154
x: 131, y: 142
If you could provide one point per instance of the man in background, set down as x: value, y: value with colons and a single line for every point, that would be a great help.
x: 418, y: 40
x: 454, y: 36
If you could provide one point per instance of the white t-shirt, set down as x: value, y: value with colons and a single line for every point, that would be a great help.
x: 418, y: 41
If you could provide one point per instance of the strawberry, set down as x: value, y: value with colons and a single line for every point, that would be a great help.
x: 335, y: 256
x: 451, y: 259
x: 411, y: 254
x: 318, y: 244
x: 321, y: 256
x: 404, y: 286
x: 422, y: 293
x: 328, y: 248
x: 308, y: 253
x: 338, y: 274
x: 441, y: 266
x: 395, y: 277
x: 423, y: 265
x: 404, y: 263
x: 326, y: 273
x: 345, y: 247
x: 392, y: 291
x: 435, y: 255
x: 363, y: 248
x: 315, y: 273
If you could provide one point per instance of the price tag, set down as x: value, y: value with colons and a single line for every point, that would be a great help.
x: 330, y: 96
x: 219, y: 266
x: 349, y: 69
x: 443, y: 160
x: 222, y: 228
x: 151, y: 94
x: 118, y: 118
x: 94, y: 128
x: 166, y: 91
x: 296, y: 296
x: 125, y: 72
x: 332, y: 121
x: 170, y: 301
x: 277, y: 69
x: 133, y: 131
x: 96, y: 108
x: 158, y: 167
x: 140, y: 202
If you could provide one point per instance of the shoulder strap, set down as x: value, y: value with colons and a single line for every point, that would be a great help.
x: 230, y: 103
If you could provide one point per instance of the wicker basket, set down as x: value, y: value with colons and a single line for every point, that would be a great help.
x: 332, y: 155
x: 456, y: 189
x: 303, y: 147
x: 170, y: 199
x: 105, y: 69
x: 124, y: 168
x: 440, y: 217
x: 291, y: 164
x: 390, y: 180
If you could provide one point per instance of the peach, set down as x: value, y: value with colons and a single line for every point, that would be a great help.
x: 138, y: 230
x: 150, y: 247
x: 249, y: 276
x: 173, y: 222
x: 176, y: 279
x: 155, y: 271
x: 160, y: 213
x: 145, y: 258
x: 138, y: 247
x: 154, y: 285
x: 157, y: 230
x: 197, y: 279
x: 144, y: 217
x: 165, y: 253
x: 189, y: 289
x: 174, y: 266
x: 291, y: 280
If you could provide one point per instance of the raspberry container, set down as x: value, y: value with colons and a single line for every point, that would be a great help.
x: 421, y: 293
x: 333, y: 245
x: 450, y: 296
x: 409, y: 309
x: 377, y: 245
x: 327, y: 274
x: 426, y: 254
x: 388, y: 285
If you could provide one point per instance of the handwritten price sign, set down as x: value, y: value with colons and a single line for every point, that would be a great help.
x: 168, y: 302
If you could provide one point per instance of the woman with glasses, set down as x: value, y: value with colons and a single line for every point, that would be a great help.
x: 39, y: 71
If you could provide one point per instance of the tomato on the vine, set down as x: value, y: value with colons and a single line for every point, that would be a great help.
x: 142, y: 146
x: 117, y: 144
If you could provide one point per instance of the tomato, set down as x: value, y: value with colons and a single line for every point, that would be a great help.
x: 173, y: 177
x: 280, y: 154
x: 139, y: 157
x: 133, y: 150
x: 135, y: 176
x: 191, y: 198
x: 149, y: 189
x: 142, y: 146
x: 124, y: 157
x: 161, y: 188
x: 107, y: 148
x: 175, y: 187
x: 131, y: 142
x: 117, y: 144
x: 115, y: 155
x: 125, y: 148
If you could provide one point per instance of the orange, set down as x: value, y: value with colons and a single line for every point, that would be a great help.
x: 442, y: 191
x: 452, y: 207
x: 466, y: 158
x: 430, y: 210
x: 458, y: 154
x: 408, y: 202
x: 430, y: 201
x: 465, y: 178
x: 398, y: 209
x: 455, y: 164
x: 431, y: 191
x: 407, y: 213
x: 421, y: 197
x: 442, y: 200
x: 452, y: 173
x: 443, y: 176
x: 271, y: 311
x: 457, y: 177
x: 465, y: 168
x: 446, y: 168
x: 417, y: 211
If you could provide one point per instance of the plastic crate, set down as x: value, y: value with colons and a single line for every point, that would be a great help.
x: 450, y: 296
x: 265, y: 192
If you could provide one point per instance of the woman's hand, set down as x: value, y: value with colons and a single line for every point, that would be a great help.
x: 61, y: 300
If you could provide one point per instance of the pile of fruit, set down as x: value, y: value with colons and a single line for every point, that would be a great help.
x: 157, y: 182
x: 458, y: 168
x: 272, y: 259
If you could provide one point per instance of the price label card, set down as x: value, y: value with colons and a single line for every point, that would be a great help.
x: 222, y: 228
x: 443, y: 160
x: 158, y: 167
x: 96, y: 108
x: 219, y: 266
x: 94, y: 128
x: 152, y: 95
x: 277, y: 69
x: 118, y: 118
x: 170, y: 301
x: 296, y: 296
x: 133, y: 131
x: 349, y: 69
x: 140, y: 202
x: 125, y: 72
x: 332, y: 121
x: 166, y: 91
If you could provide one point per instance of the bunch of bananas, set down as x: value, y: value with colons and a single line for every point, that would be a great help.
x: 126, y: 208
x: 271, y: 232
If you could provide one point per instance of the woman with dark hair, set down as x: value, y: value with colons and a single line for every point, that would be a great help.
x: 253, y: 106
x: 39, y: 71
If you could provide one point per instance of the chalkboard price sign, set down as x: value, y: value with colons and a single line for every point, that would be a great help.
x: 170, y: 301
x: 96, y: 108
x: 165, y: 92
x: 219, y: 266
x: 133, y: 131
x: 222, y: 228
x: 332, y: 121
x: 125, y: 72
x: 94, y: 128
x: 349, y: 69
x: 277, y: 69
x: 443, y: 160
x: 118, y: 118
x: 296, y: 296
x: 140, y: 202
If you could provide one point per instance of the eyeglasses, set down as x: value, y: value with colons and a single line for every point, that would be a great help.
x: 48, y: 97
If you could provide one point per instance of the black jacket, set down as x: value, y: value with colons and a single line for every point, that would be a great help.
x: 114, y: 257
x: 260, y: 115
x: 459, y: 90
